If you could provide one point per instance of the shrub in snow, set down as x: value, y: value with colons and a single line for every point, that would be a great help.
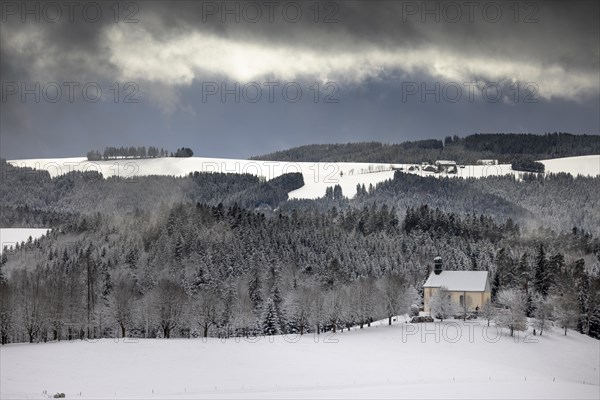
x: 414, y: 310
x: 416, y: 320
x: 441, y: 305
x: 465, y: 317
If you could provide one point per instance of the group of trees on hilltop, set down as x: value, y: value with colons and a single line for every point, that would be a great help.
x: 416, y: 151
x: 183, y: 152
x: 127, y: 152
x: 136, y: 152
x: 549, y: 145
x: 527, y: 165
x: 505, y: 147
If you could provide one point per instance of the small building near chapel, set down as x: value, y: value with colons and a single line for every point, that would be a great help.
x: 447, y: 166
x: 487, y: 162
x: 470, y: 286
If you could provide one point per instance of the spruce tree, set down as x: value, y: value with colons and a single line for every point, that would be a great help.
x: 504, y: 268
x: 2, y: 263
x: 495, y: 286
x: 255, y: 289
x: 337, y: 192
x: 541, y: 272
x: 582, y: 284
x: 270, y: 319
x: 278, y: 303
x: 523, y: 273
x: 594, y: 323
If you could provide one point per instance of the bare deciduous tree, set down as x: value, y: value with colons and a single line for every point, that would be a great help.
x: 395, y: 295
x: 6, y: 311
x: 205, y: 309
x: 334, y: 308
x: 122, y: 301
x: 465, y: 306
x: 169, y: 301
x: 543, y: 313
x: 362, y: 300
x: 513, y: 315
x: 565, y: 309
x: 488, y: 311
x: 300, y: 305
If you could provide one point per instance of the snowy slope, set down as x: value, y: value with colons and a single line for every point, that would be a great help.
x: 584, y: 165
x: 317, y: 176
x: 448, y: 360
x: 9, y: 237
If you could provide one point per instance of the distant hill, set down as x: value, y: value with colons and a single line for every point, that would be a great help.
x: 505, y: 147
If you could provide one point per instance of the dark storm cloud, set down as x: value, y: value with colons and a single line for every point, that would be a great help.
x: 374, y: 47
x: 565, y: 32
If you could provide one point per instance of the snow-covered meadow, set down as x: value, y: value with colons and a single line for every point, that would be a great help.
x: 582, y: 165
x: 317, y: 176
x: 452, y: 359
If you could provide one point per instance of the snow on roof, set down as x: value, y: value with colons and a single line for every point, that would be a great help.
x: 445, y: 162
x: 469, y: 281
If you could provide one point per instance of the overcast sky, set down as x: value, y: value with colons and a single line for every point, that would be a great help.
x: 236, y: 79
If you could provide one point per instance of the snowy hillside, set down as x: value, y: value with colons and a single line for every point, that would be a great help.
x: 451, y: 360
x: 317, y: 176
x: 584, y: 165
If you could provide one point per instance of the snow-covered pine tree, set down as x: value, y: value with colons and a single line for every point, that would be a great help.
x: 6, y: 309
x: 270, y: 319
x: 2, y: 263
x: 541, y: 279
x: 278, y: 303
x: 582, y: 285
x: 504, y: 268
x: 595, y: 323
x: 523, y: 274
x: 255, y: 289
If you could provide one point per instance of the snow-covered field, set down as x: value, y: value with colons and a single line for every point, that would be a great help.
x: 450, y: 359
x: 9, y: 237
x: 317, y: 176
x: 584, y: 165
